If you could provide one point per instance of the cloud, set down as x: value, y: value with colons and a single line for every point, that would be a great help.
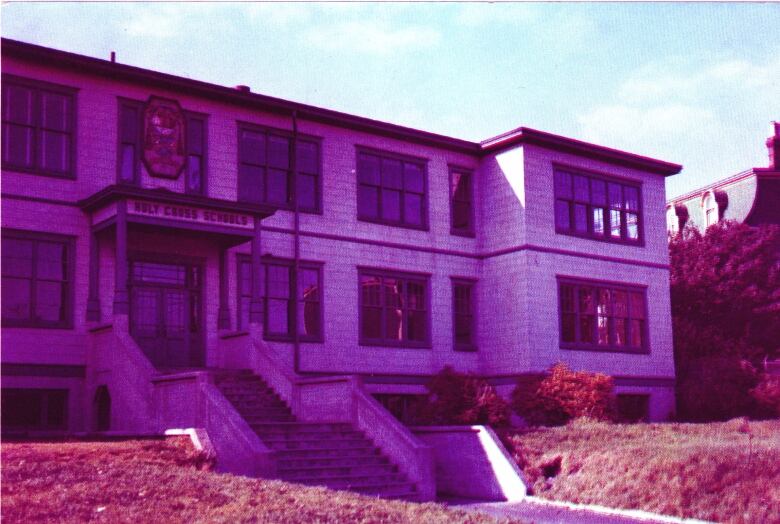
x: 371, y: 37
x: 483, y: 14
x: 282, y: 15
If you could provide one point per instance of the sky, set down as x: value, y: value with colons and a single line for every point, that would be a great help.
x: 691, y: 83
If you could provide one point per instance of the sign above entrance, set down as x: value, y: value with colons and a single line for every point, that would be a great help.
x: 191, y: 214
x: 163, y: 141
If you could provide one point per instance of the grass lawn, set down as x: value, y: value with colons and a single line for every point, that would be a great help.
x: 707, y: 471
x: 165, y: 481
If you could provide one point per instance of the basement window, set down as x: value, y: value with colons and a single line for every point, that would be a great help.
x: 34, y: 409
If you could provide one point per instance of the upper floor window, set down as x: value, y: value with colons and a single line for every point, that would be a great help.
x: 393, y: 309
x: 391, y: 190
x: 710, y: 210
x: 600, y: 316
x: 277, y: 289
x: 39, y: 127
x: 129, y: 148
x: 463, y: 314
x: 265, y: 170
x: 590, y: 206
x: 37, y: 280
x: 461, y: 202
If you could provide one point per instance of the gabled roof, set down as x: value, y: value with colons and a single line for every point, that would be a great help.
x: 121, y: 72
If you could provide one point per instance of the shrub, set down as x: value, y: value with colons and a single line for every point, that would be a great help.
x: 767, y: 396
x: 458, y: 398
x: 717, y: 388
x: 564, y: 395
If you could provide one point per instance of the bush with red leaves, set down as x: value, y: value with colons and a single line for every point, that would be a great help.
x: 564, y: 395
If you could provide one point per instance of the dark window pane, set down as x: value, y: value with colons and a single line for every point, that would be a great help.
x: 586, y: 329
x: 16, y: 298
x: 55, y: 151
x: 276, y: 187
x: 391, y: 205
x: 568, y: 321
x: 391, y: 173
x: 17, y: 257
x: 371, y: 288
x: 371, y: 322
x: 278, y: 281
x: 621, y: 331
x: 51, y: 261
x: 413, y: 213
x: 194, y: 174
x: 307, y: 159
x: 368, y: 202
x: 463, y: 330
x: 252, y: 148
x: 637, y: 333
x: 598, y: 192
x: 18, y: 104
x: 461, y: 186
x: 413, y: 178
x: 417, y: 326
x: 631, y: 195
x: 129, y: 124
x: 54, y: 111
x: 55, y: 412
x: 368, y: 169
x: 195, y: 136
x: 250, y: 183
x: 307, y: 191
x: 394, y: 324
x: 581, y: 191
x: 586, y: 300
x: 127, y: 163
x: 637, y: 305
x: 581, y: 218
x: 567, y: 297
x: 22, y: 408
x: 620, y: 303
x: 615, y: 195
x: 309, y: 285
x: 461, y: 215
x: 278, y: 152
x: 278, y: 316
x: 563, y: 185
x: 309, y: 318
x: 562, y: 219
x: 415, y: 295
x: 393, y: 290
x: 17, y: 145
x: 49, y: 301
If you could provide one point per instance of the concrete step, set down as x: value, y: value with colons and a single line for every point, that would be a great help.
x: 263, y: 416
x: 369, y: 460
x: 327, y: 453
x: 307, y: 435
x: 317, y: 444
x: 347, y: 481
x: 304, y: 426
x: 373, y: 471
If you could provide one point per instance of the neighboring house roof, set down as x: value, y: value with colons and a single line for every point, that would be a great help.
x: 242, y: 97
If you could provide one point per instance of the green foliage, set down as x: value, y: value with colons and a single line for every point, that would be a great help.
x: 725, y: 292
x: 564, y: 395
x: 457, y: 398
x: 767, y: 396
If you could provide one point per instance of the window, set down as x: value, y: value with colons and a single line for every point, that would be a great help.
x: 463, y: 302
x: 36, y: 280
x: 277, y: 287
x: 710, y: 210
x: 39, y: 123
x: 633, y: 407
x: 461, y: 206
x: 195, y: 167
x: 34, y: 409
x: 265, y: 169
x: 393, y: 309
x: 594, y: 207
x: 391, y: 190
x: 599, y: 316
x: 403, y: 406
x: 131, y: 114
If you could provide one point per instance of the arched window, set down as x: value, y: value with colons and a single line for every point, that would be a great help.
x: 710, y: 206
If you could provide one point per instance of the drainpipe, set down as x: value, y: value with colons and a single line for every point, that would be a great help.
x: 297, y: 244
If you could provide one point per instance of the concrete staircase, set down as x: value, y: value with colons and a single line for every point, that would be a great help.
x: 331, y: 454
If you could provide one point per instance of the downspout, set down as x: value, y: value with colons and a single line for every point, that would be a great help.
x: 296, y: 244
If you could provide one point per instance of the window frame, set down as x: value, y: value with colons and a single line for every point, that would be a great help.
x: 390, y: 155
x: 293, y: 188
x: 597, y: 286
x: 39, y: 86
x: 405, y: 276
x: 242, y: 258
x: 70, y: 258
x: 469, y: 231
x: 471, y: 283
x: 120, y: 142
x: 606, y: 179
x: 204, y: 177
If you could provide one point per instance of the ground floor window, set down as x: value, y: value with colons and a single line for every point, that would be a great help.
x: 403, y: 407
x: 633, y: 407
x: 393, y: 308
x: 600, y: 316
x: 34, y: 409
x: 278, y: 289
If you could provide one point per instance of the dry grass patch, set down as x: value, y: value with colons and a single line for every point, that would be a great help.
x: 165, y: 481
x: 721, y: 472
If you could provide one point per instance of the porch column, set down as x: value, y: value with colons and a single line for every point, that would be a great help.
x: 93, y: 302
x: 121, y: 302
x: 256, y: 304
x: 223, y: 315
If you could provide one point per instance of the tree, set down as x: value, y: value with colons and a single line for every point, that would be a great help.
x: 725, y: 291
